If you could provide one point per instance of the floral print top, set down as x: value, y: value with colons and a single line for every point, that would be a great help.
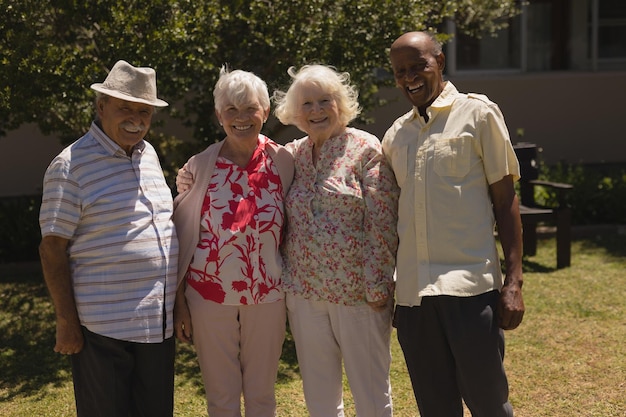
x: 237, y: 261
x: 341, y: 240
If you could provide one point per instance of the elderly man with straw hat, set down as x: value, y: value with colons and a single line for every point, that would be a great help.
x: 109, y: 254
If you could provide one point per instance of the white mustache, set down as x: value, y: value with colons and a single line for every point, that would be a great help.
x: 131, y: 127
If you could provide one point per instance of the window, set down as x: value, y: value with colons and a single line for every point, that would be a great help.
x: 611, y: 28
x: 488, y: 52
x: 549, y: 35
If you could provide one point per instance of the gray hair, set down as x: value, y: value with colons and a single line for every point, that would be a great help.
x: 100, y: 97
x: 103, y: 98
x: 239, y: 87
x: 329, y: 80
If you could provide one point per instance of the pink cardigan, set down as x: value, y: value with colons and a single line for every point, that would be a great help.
x: 187, y: 205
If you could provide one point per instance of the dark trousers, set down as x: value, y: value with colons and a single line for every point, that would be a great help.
x: 115, y: 378
x: 454, y: 349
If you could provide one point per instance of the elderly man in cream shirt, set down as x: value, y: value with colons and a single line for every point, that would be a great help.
x: 455, y: 166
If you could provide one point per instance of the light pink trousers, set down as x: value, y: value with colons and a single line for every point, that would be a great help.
x: 325, y: 334
x: 238, y: 349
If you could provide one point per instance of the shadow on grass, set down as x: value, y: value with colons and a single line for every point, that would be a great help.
x: 533, y: 266
x: 288, y: 368
x: 27, y: 335
x: 610, y: 240
x: 613, y: 243
x: 187, y: 367
x: 28, y: 362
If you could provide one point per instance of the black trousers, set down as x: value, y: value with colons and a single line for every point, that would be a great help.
x: 454, y: 349
x: 115, y: 378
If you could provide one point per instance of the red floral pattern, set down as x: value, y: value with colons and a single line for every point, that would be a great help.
x: 237, y: 261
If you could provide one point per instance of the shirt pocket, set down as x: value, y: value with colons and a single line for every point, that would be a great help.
x: 452, y: 156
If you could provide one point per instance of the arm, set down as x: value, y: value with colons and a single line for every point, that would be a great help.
x: 56, y: 272
x: 506, y: 209
x: 381, y: 193
x: 182, y: 317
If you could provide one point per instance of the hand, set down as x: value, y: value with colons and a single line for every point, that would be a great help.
x: 510, y: 306
x: 184, y: 180
x: 69, y: 339
x: 379, y: 305
x: 182, y: 321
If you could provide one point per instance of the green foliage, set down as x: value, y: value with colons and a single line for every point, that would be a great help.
x: 598, y: 195
x: 19, y: 228
x: 53, y: 50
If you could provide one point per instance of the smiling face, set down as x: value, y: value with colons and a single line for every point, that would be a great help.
x: 242, y: 121
x: 418, y: 69
x: 318, y: 113
x: 125, y: 122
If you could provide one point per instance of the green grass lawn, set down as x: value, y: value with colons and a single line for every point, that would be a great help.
x: 568, y: 358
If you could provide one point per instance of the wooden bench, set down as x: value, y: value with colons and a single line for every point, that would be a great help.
x: 533, y: 214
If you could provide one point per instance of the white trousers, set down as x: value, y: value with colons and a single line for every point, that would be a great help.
x: 325, y: 334
x: 238, y: 349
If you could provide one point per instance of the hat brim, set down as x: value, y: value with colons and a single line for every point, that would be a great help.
x: 114, y: 93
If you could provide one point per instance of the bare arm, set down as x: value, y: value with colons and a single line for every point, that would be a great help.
x: 56, y: 272
x: 506, y: 209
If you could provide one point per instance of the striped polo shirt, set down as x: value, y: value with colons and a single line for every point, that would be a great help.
x: 116, y: 212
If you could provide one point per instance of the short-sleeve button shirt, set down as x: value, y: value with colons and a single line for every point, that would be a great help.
x: 116, y: 212
x: 444, y: 168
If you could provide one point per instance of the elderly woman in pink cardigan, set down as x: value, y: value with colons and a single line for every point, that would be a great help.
x: 230, y: 301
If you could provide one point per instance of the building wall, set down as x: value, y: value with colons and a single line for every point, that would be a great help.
x: 574, y: 117
x: 577, y: 117
x: 25, y: 154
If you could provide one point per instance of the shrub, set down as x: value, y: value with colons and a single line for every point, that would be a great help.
x: 597, y: 198
x: 19, y: 228
x: 599, y: 191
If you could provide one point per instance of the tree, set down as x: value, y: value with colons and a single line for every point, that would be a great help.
x: 52, y: 50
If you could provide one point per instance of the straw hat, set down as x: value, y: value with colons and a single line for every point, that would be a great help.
x: 131, y: 84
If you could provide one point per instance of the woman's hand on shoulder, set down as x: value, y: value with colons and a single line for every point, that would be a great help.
x: 184, y: 179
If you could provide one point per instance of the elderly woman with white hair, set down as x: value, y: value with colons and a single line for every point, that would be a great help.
x: 230, y: 301
x: 340, y: 246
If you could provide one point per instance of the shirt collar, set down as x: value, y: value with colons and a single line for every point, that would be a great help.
x: 444, y: 99
x: 262, y: 142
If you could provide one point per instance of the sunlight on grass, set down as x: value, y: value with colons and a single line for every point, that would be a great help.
x: 568, y: 358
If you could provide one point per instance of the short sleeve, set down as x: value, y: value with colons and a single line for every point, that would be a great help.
x: 60, y: 206
x: 498, y: 153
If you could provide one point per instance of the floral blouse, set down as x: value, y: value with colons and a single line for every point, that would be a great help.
x: 237, y: 261
x: 341, y: 238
